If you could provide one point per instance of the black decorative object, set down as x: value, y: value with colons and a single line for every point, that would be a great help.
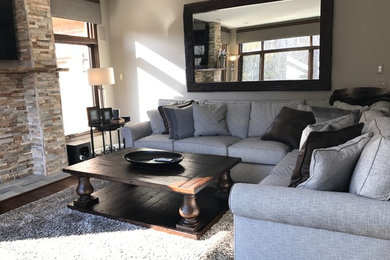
x: 106, y: 114
x: 93, y: 116
x: 363, y: 96
x: 115, y: 114
x: 8, y: 50
x: 153, y: 158
x: 78, y: 152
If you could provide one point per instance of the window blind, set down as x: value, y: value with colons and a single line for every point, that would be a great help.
x: 80, y: 10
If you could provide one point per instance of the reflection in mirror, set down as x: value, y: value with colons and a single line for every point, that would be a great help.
x: 271, y: 41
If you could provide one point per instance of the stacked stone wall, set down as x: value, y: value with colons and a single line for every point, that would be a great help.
x: 31, y: 129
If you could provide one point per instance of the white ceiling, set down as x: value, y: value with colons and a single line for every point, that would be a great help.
x: 264, y: 13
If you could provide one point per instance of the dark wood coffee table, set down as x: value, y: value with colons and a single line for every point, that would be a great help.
x: 185, y: 199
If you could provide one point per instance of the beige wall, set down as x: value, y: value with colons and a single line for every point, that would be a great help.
x: 147, y: 48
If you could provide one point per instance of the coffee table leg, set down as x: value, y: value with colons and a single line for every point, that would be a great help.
x: 84, y: 190
x: 189, y: 211
x: 225, y: 182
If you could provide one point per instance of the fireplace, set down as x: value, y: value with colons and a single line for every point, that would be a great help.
x: 32, y: 139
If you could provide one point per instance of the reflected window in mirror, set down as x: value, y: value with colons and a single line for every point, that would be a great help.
x: 294, y: 58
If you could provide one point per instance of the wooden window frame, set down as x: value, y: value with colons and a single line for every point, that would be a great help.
x: 92, y: 42
x: 310, y: 48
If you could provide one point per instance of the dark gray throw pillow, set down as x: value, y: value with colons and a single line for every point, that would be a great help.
x: 162, y: 113
x: 180, y: 122
x: 288, y: 125
x: 317, y: 140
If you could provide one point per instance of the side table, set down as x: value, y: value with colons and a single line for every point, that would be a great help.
x: 105, y: 128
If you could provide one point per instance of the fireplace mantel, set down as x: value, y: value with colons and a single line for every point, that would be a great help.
x: 30, y: 70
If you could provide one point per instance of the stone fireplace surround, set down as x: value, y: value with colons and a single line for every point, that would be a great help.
x: 32, y: 139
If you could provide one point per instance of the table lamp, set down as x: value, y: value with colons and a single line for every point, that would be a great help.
x: 233, y: 58
x: 98, y: 77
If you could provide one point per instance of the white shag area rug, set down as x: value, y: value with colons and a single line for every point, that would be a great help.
x: 47, y: 229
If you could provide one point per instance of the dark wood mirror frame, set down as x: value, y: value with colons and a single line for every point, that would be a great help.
x: 323, y: 83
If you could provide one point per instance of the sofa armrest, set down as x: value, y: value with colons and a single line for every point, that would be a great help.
x: 132, y: 132
x: 335, y: 211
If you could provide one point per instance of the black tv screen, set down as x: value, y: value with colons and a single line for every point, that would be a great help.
x: 7, y: 31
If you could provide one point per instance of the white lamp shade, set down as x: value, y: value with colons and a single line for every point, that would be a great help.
x: 101, y: 76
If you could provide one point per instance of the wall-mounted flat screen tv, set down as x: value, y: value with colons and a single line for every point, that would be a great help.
x: 8, y: 49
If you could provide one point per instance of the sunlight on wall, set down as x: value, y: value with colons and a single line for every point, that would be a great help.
x: 150, y: 87
x: 296, y: 69
x: 173, y: 71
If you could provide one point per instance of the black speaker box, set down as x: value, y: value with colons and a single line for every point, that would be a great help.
x: 78, y: 152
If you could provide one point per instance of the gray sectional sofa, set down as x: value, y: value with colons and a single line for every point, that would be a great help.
x: 271, y: 220
x: 246, y: 121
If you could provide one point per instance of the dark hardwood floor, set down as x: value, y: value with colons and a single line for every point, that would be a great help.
x: 36, y: 194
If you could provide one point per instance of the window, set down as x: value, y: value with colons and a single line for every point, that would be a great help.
x: 70, y: 27
x: 295, y: 58
x: 76, y: 50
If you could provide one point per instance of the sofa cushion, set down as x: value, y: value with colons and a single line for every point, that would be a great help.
x: 331, y: 168
x: 217, y: 145
x: 209, y: 119
x: 263, y: 114
x: 156, y: 141
x: 371, y: 177
x: 281, y: 173
x: 288, y: 126
x: 180, y: 121
x: 156, y: 121
x: 237, y: 118
x: 317, y: 140
x: 255, y: 150
x: 317, y: 103
x: 331, y: 125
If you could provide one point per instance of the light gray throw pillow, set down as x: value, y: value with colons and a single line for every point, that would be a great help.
x: 180, y: 122
x: 382, y: 105
x: 371, y: 177
x: 156, y: 121
x: 331, y: 168
x: 210, y: 119
x: 331, y: 125
x: 379, y: 125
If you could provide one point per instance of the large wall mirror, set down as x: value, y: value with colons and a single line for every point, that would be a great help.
x: 249, y: 45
